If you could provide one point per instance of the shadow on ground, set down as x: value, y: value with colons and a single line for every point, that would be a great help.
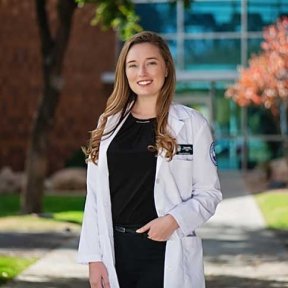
x: 32, y: 240
x: 31, y: 244
x: 211, y: 282
x: 223, y: 244
x: 241, y: 282
x: 50, y: 283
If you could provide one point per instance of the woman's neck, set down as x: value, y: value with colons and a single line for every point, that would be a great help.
x: 144, y: 108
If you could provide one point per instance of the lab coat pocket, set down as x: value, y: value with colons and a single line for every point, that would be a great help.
x: 182, y: 170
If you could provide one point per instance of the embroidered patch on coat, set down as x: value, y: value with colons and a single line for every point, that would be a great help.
x: 213, y: 153
x: 184, y: 149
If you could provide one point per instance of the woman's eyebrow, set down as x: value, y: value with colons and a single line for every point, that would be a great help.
x: 149, y: 58
x: 152, y: 58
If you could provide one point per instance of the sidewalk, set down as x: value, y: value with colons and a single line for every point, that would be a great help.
x: 56, y: 269
x: 239, y: 252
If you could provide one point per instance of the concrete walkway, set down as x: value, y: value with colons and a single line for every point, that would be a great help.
x: 57, y: 269
x: 239, y: 251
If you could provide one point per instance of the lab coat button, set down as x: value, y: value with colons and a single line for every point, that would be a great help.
x: 157, y: 180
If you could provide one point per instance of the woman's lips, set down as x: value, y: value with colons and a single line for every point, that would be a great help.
x: 144, y: 82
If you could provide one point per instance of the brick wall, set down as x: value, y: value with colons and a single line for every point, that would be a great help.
x: 90, y: 53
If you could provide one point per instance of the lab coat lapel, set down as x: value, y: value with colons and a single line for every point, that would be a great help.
x: 105, y: 142
x: 104, y: 173
x: 175, y: 124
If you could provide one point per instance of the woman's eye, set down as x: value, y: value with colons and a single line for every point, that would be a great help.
x: 152, y: 63
x: 131, y: 65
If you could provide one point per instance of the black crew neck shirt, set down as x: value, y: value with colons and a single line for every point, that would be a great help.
x: 132, y: 169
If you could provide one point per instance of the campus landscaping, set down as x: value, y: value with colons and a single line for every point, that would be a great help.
x: 63, y: 214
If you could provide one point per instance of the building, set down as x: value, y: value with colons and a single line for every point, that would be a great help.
x: 84, y: 94
x: 209, y: 41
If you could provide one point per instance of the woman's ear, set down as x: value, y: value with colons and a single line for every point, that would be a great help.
x: 166, y: 73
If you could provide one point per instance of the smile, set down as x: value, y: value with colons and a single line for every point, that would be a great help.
x: 144, y: 82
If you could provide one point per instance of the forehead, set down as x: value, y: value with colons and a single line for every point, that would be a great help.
x: 143, y: 51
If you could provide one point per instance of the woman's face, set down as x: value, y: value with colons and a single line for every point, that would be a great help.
x: 145, y: 70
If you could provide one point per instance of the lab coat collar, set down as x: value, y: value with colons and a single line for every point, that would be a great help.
x: 175, y: 124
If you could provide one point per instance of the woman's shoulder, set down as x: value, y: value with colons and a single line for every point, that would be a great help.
x: 186, y: 113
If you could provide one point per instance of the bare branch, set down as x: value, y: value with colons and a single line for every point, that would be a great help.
x: 65, y: 10
x: 43, y: 24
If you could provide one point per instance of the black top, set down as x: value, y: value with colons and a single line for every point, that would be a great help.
x: 132, y: 169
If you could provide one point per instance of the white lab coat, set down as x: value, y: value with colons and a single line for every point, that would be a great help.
x: 187, y: 187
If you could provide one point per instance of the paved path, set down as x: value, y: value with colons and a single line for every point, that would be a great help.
x: 31, y: 244
x: 57, y: 269
x: 239, y: 252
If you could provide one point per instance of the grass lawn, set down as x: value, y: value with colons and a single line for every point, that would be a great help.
x: 57, y: 212
x: 60, y: 208
x: 11, y: 266
x: 274, y: 206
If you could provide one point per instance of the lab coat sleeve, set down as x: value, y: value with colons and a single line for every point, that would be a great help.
x: 89, y: 246
x: 206, y: 193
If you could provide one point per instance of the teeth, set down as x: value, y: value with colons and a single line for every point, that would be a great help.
x: 144, y: 82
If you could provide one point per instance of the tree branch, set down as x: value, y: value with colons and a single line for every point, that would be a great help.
x: 45, y: 34
x: 65, y: 10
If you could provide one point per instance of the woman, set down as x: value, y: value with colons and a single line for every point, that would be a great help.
x: 151, y: 178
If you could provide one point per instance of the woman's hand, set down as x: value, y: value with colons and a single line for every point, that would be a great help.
x: 160, y: 229
x: 98, y: 275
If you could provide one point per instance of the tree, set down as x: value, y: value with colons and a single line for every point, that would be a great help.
x: 53, y: 51
x: 265, y: 80
x: 117, y: 14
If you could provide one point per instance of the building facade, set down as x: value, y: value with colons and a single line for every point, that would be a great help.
x: 210, y: 40
x: 83, y: 97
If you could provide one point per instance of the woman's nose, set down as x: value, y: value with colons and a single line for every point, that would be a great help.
x: 142, y: 70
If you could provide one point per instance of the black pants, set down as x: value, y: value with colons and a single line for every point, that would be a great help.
x: 139, y: 261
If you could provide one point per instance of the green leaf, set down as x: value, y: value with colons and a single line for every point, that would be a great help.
x: 119, y: 15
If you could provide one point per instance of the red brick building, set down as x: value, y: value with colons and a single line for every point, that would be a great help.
x: 90, y: 53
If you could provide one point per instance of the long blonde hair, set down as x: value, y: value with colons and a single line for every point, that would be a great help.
x: 122, y: 96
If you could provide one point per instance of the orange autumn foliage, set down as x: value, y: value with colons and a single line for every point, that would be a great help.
x: 265, y: 80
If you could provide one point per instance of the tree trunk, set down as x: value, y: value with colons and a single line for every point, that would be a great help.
x: 53, y: 52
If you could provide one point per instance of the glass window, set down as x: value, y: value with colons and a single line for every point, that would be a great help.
x: 222, y: 52
x: 212, y: 54
x: 228, y: 153
x: 201, y: 107
x: 260, y: 151
x: 173, y: 48
x: 254, y: 46
x: 262, y: 121
x: 227, y: 116
x: 182, y: 87
x: 158, y: 17
x: 265, y: 12
x: 213, y: 16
